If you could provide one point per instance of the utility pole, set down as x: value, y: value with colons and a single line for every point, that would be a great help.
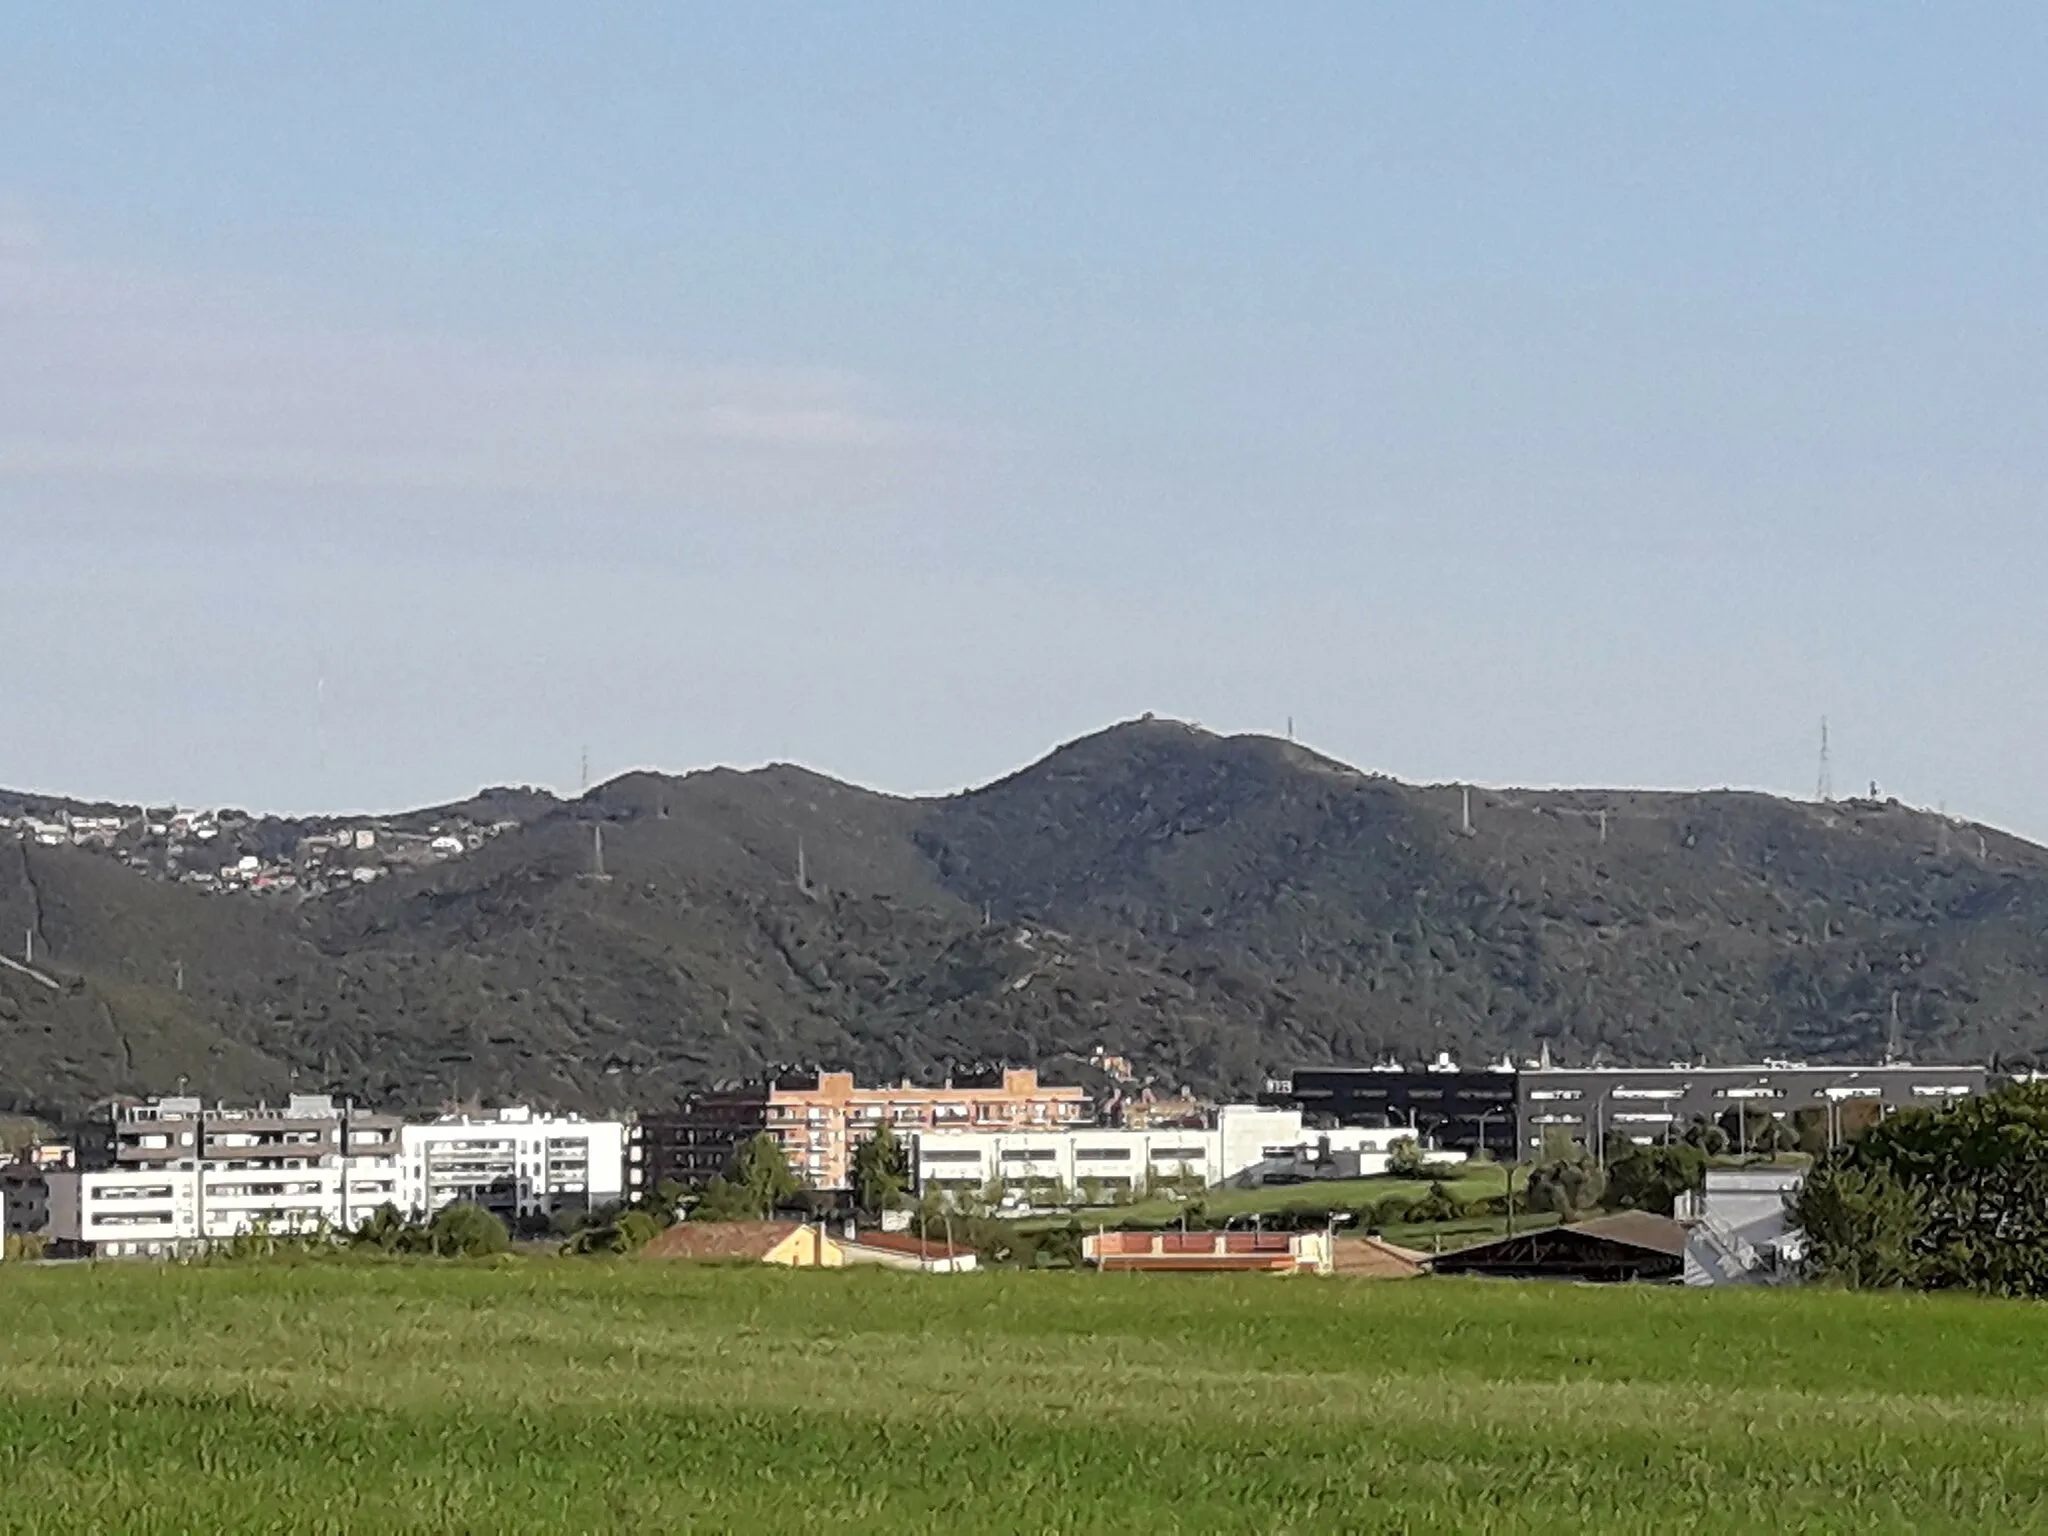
x: 342, y: 1142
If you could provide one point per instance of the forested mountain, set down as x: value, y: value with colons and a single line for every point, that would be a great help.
x: 1215, y: 908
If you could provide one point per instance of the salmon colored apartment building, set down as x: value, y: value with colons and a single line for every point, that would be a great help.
x: 821, y: 1117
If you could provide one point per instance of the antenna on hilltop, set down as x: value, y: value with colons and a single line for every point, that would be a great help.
x: 586, y: 772
x: 1824, y: 791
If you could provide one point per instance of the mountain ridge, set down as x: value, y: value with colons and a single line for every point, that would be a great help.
x: 1215, y: 907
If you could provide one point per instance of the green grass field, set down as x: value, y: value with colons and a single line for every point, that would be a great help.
x: 1467, y: 1183
x: 565, y: 1396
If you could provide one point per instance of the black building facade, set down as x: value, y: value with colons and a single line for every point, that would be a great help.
x: 1510, y: 1112
x: 1459, y: 1108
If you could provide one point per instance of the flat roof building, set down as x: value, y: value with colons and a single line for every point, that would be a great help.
x: 513, y: 1162
x: 1511, y: 1110
x: 821, y: 1117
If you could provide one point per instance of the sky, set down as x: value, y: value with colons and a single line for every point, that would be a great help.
x: 396, y: 400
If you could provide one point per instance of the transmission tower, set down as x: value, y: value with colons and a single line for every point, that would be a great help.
x: 1825, y: 791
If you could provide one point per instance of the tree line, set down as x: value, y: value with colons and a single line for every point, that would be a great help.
x: 1948, y: 1199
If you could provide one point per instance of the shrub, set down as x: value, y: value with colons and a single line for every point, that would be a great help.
x: 1438, y: 1205
x: 466, y: 1232
x: 1569, y: 1185
x: 1392, y: 1211
x: 1404, y: 1159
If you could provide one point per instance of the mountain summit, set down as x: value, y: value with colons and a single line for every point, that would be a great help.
x: 1214, y: 908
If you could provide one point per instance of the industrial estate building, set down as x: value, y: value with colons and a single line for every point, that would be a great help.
x: 1509, y: 1110
x: 1108, y: 1163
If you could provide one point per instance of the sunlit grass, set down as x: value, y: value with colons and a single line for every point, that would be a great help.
x: 549, y: 1396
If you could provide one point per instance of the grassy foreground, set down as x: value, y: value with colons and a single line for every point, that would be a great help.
x: 563, y: 1396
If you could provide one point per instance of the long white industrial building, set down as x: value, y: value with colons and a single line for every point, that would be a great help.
x: 1244, y: 1145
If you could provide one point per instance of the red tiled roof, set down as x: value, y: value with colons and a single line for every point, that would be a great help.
x: 753, y: 1240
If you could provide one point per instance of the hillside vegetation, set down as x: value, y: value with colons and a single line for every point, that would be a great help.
x: 575, y: 1395
x: 1215, y: 908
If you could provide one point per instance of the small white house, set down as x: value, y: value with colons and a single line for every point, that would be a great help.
x: 1738, y: 1231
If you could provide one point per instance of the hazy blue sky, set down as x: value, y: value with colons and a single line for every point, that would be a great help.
x: 1536, y: 394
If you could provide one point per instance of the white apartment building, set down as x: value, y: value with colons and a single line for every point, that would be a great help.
x: 1246, y: 1142
x: 183, y: 1175
x: 156, y: 1212
x: 513, y: 1162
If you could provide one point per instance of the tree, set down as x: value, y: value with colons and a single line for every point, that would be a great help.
x: 1862, y: 1227
x: 665, y: 1203
x: 1963, y: 1190
x: 723, y: 1200
x: 465, y: 1231
x: 881, y: 1171
x: 1405, y: 1159
x: 762, y: 1170
x: 1570, y: 1185
x: 1707, y: 1136
x: 1652, y: 1178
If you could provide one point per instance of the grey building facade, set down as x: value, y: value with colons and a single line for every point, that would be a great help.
x: 1649, y: 1104
x: 1510, y: 1111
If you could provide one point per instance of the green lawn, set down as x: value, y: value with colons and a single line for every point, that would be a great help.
x: 1468, y: 1182
x: 538, y: 1395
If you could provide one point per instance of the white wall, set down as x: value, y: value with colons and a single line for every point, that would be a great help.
x: 537, y: 1153
x: 1246, y: 1140
x: 145, y: 1206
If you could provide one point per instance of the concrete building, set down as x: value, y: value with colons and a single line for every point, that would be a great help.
x: 1737, y: 1230
x: 1244, y: 1145
x: 821, y: 1117
x: 172, y: 1175
x: 1510, y: 1110
x: 512, y: 1162
x: 309, y: 1130
x: 155, y: 1212
x: 1454, y: 1106
x: 25, y: 1189
x: 1649, y: 1104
